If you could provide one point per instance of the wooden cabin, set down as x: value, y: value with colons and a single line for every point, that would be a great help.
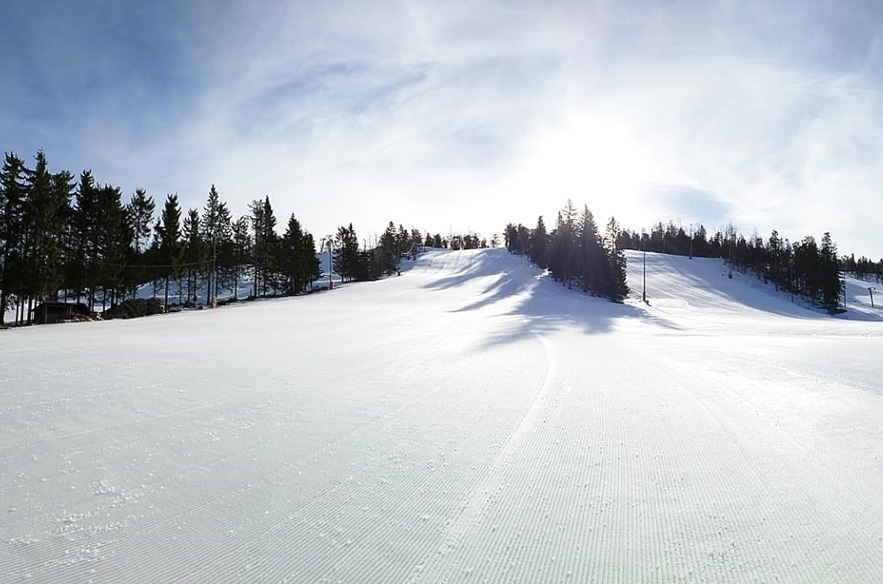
x: 53, y: 312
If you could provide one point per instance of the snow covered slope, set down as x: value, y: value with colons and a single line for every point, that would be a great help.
x: 467, y: 421
x: 700, y: 286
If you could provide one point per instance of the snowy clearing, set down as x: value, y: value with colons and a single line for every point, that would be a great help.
x: 468, y: 421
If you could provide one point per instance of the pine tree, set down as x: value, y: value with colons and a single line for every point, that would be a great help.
x: 775, y: 249
x: 563, y: 262
x: 14, y: 193
x: 140, y: 210
x: 63, y: 187
x: 291, y: 249
x: 830, y: 280
x: 403, y: 245
x: 114, y: 235
x: 805, y: 268
x: 194, y: 253
x: 346, y: 253
x: 618, y: 287
x: 169, y: 234
x: 416, y: 239
x: 263, y: 224
x: 299, y: 263
x: 216, y: 232
x: 48, y: 206
x: 593, y: 266
x: 510, y: 235
x: 241, y: 250
x: 311, y: 266
x: 388, y: 249
x: 539, y: 244
x: 83, y: 269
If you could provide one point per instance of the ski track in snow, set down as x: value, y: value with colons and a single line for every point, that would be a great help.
x: 469, y: 421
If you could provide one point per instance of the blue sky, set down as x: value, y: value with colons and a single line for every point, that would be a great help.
x: 465, y: 115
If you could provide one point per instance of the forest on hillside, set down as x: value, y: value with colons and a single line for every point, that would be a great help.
x: 576, y: 253
x: 73, y: 239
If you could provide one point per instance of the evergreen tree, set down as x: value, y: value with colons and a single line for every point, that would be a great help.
x: 311, y: 266
x: 223, y: 252
x: 563, y: 260
x: 263, y: 223
x: 140, y: 210
x: 388, y: 256
x: 346, y: 252
x: 416, y: 240
x: 241, y: 250
x: 48, y: 206
x: 114, y: 235
x: 539, y: 244
x: 63, y: 187
x: 618, y: 287
x: 510, y: 235
x: 194, y: 253
x: 403, y: 244
x: 292, y: 249
x: 592, y: 266
x: 775, y: 252
x: 13, y: 193
x: 169, y: 235
x: 216, y: 232
x: 830, y: 282
x: 84, y: 268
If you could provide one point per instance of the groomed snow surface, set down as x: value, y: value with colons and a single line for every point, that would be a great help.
x: 468, y: 421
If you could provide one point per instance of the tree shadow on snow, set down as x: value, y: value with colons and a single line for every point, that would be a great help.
x: 511, y: 270
x: 708, y: 285
x: 545, y: 306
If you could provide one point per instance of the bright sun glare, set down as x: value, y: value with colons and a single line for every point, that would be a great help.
x: 598, y: 162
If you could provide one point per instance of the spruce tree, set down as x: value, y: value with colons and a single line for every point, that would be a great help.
x: 258, y: 252
x: 48, y: 206
x: 539, y: 244
x: 64, y: 187
x: 216, y: 232
x: 194, y: 253
x: 84, y: 268
x: 140, y: 209
x: 311, y: 266
x: 263, y: 223
x: 510, y: 235
x: 241, y: 250
x: 114, y: 235
x: 830, y: 281
x: 592, y: 265
x: 291, y: 250
x: 563, y: 262
x: 169, y: 235
x: 388, y: 249
x: 618, y: 287
x: 13, y: 189
x: 346, y: 253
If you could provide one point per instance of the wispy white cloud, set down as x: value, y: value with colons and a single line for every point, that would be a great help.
x: 469, y: 115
